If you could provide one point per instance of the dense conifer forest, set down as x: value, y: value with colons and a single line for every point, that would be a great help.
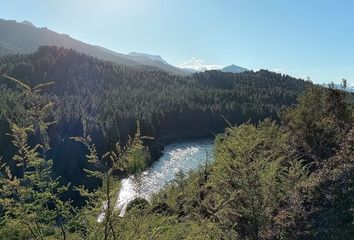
x: 108, y: 99
x: 73, y: 125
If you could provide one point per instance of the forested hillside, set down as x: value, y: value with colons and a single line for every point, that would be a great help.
x: 107, y: 99
x: 20, y: 38
x: 288, y: 180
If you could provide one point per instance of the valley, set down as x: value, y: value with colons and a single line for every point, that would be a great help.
x: 171, y: 120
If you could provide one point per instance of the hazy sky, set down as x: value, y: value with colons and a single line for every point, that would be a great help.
x: 298, y: 37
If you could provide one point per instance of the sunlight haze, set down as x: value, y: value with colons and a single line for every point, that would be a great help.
x: 299, y: 38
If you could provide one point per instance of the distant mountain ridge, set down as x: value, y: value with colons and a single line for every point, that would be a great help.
x: 234, y: 69
x: 25, y: 37
x: 28, y: 23
x: 157, y: 58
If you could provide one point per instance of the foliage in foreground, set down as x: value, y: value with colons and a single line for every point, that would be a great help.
x: 266, y: 182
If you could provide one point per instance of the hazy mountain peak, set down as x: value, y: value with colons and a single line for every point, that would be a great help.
x: 149, y: 56
x: 28, y: 39
x: 234, y: 69
x: 26, y: 22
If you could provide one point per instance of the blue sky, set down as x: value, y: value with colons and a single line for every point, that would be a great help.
x: 302, y: 37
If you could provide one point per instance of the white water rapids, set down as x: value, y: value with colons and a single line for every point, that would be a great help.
x: 176, y: 157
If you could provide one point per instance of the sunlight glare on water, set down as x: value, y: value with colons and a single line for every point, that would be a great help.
x: 177, y: 157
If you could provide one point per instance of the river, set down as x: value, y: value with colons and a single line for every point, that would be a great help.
x: 176, y: 157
